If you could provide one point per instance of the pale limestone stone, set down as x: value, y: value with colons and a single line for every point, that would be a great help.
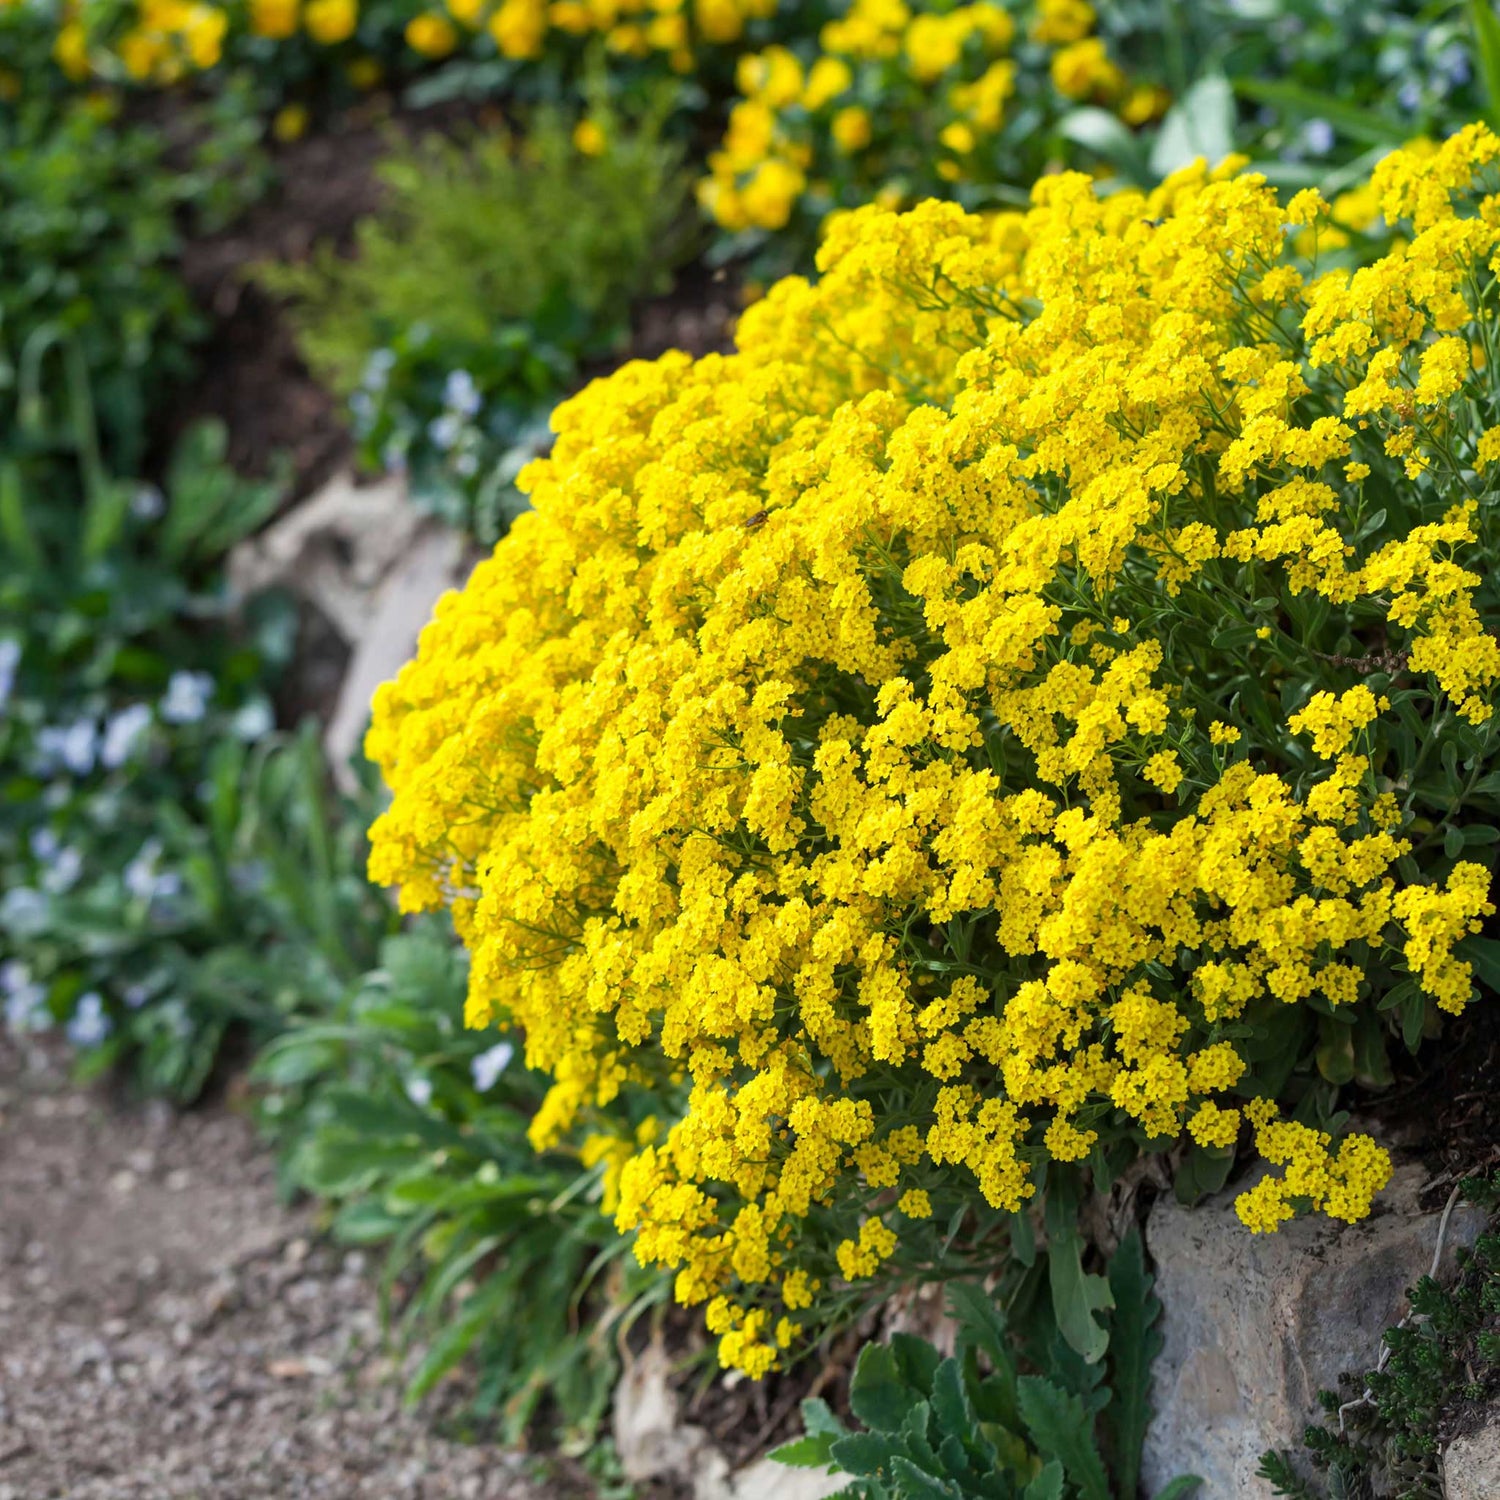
x: 1255, y: 1325
x: 1471, y: 1466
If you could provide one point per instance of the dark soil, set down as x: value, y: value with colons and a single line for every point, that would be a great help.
x: 1445, y: 1105
x: 251, y: 376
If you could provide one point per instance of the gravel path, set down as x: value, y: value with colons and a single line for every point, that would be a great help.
x: 168, y: 1331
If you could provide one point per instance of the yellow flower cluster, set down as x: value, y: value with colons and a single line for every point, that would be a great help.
x: 161, y: 41
x: 521, y: 29
x: 835, y: 748
x: 900, y: 97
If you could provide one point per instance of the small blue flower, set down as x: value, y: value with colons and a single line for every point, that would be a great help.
x: 419, y: 1090
x: 254, y: 721
x: 490, y: 1064
x: 63, y: 872
x: 1318, y: 137
x: 89, y: 1023
x: 71, y: 747
x: 444, y: 431
x: 26, y: 1009
x: 461, y: 394
x: 187, y: 697
x: 148, y: 503
x: 362, y: 407
x: 123, y: 734
x: 377, y: 369
x: 10, y: 659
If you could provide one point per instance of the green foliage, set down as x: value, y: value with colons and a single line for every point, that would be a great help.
x: 977, y: 1423
x: 414, y: 1131
x: 1385, y: 1430
x: 130, y: 773
x: 92, y: 209
x: 87, y: 239
x: 495, y: 268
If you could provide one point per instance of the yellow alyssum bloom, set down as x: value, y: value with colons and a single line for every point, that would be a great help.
x: 785, y: 760
x: 330, y: 21
x: 432, y: 34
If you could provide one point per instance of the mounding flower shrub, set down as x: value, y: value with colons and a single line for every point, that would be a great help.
x: 1030, y: 705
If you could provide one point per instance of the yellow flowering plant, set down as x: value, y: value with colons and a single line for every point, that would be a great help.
x: 896, y: 102
x: 1029, y: 706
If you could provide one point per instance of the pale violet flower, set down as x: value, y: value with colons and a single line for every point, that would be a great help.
x: 10, y: 659
x: 141, y: 878
x: 489, y: 1065
x: 123, y: 734
x: 1410, y: 95
x: 26, y: 1008
x: 136, y: 994
x: 148, y: 503
x: 187, y: 696
x: 63, y: 871
x: 377, y: 369
x: 1318, y: 136
x: 73, y: 746
x: 23, y: 912
x: 44, y: 845
x: 461, y: 394
x: 89, y: 1023
x: 444, y: 431
x: 1454, y: 61
x: 419, y: 1090
x: 254, y: 721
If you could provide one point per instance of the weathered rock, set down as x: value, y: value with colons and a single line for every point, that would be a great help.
x: 654, y: 1443
x: 1256, y: 1325
x: 366, y: 564
x: 334, y: 550
x: 437, y: 559
x: 1471, y: 1466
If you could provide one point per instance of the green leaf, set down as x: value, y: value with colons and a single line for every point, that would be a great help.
x: 878, y: 1395
x: 1358, y: 124
x: 1101, y: 132
x: 1484, y: 954
x: 980, y: 1325
x: 1048, y: 1485
x: 1201, y: 123
x: 1134, y: 1342
x: 950, y: 1401
x: 1061, y: 1428
x: 920, y: 1486
x: 457, y: 1338
x: 1179, y: 1488
x: 1076, y: 1294
x: 1335, y: 1055
x: 863, y: 1453
x: 1372, y: 1068
x: 917, y: 1361
x: 1202, y: 1172
x: 1487, y: 53
x: 803, y: 1453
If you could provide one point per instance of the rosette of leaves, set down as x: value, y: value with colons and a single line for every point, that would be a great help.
x: 983, y: 1423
